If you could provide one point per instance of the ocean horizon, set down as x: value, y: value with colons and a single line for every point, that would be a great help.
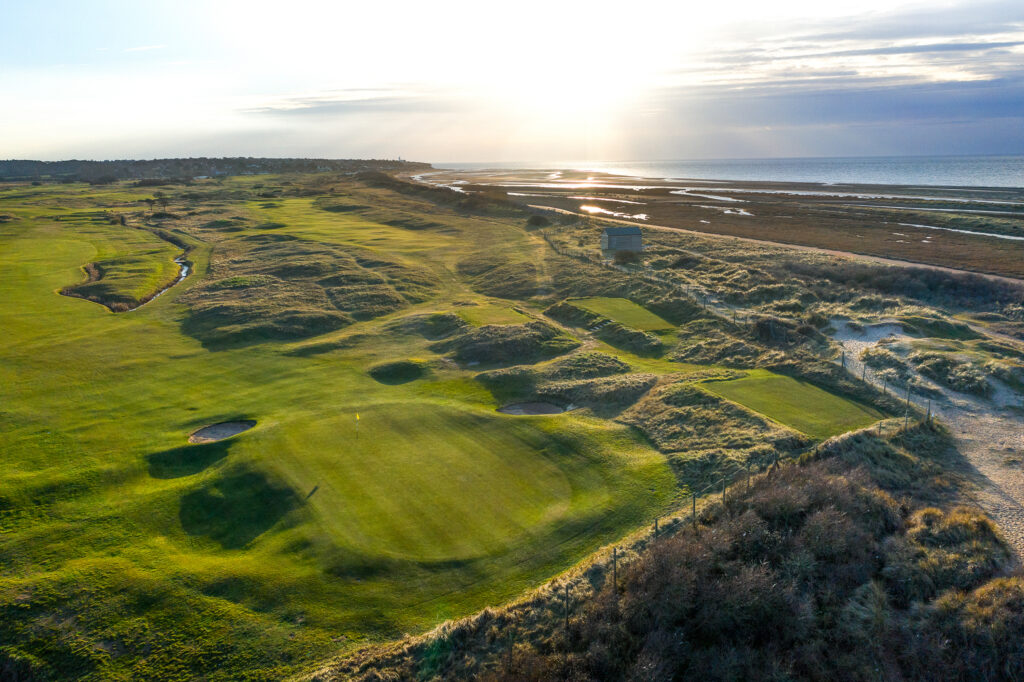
x: 930, y: 171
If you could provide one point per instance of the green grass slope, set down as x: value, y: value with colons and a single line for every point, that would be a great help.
x: 625, y: 312
x: 796, y: 404
x: 127, y: 553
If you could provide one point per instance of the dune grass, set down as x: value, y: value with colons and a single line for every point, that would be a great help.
x: 793, y: 403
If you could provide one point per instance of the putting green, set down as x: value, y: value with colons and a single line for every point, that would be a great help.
x: 796, y: 404
x: 625, y: 312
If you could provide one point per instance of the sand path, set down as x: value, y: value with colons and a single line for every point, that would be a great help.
x: 987, y: 431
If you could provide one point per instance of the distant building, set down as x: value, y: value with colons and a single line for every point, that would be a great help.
x: 622, y: 239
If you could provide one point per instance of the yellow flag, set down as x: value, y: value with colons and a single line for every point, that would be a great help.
x: 357, y: 416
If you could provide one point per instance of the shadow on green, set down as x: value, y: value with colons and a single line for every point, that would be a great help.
x: 186, y: 460
x: 236, y: 509
x: 399, y: 372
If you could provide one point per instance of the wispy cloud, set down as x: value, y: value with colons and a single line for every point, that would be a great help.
x: 337, y: 102
x: 144, y: 48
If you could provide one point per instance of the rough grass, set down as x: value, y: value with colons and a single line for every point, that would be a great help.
x: 680, y: 417
x: 772, y: 580
x: 507, y: 344
x: 282, y: 287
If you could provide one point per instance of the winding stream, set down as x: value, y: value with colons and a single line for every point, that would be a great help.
x: 183, y: 269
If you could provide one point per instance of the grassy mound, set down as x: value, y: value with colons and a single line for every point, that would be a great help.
x: 586, y: 365
x: 432, y: 326
x: 606, y: 396
x: 608, y: 330
x: 507, y: 344
x: 286, y: 288
x: 955, y: 372
x: 500, y: 274
x: 682, y: 418
x: 590, y: 379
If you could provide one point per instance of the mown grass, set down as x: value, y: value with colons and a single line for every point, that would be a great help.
x: 126, y: 553
x: 129, y: 266
x: 796, y: 404
x: 625, y: 312
x: 491, y: 314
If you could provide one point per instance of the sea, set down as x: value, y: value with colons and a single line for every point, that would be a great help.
x: 925, y: 171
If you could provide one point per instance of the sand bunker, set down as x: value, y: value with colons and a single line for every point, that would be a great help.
x: 215, y: 432
x: 531, y: 408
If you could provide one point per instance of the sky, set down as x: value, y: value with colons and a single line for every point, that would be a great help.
x: 510, y: 81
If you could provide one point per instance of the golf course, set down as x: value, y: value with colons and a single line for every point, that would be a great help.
x: 378, y: 491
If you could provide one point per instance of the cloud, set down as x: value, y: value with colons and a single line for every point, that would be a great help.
x: 144, y: 48
x: 356, y: 100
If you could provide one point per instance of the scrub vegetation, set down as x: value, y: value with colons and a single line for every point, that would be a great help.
x: 857, y: 563
x: 370, y: 328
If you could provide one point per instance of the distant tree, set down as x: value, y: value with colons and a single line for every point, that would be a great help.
x: 150, y: 202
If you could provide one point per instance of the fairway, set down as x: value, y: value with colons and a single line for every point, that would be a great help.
x: 491, y: 314
x: 625, y: 312
x: 299, y: 537
x: 796, y: 404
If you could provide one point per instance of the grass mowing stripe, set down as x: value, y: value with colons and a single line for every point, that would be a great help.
x: 624, y: 311
x: 793, y: 403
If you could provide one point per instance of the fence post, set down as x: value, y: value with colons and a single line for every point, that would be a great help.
x: 567, y: 607
x: 615, y: 571
x: 844, y: 359
x: 655, y: 526
x: 929, y: 417
x: 906, y: 410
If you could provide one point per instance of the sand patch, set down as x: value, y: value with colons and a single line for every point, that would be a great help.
x: 215, y: 432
